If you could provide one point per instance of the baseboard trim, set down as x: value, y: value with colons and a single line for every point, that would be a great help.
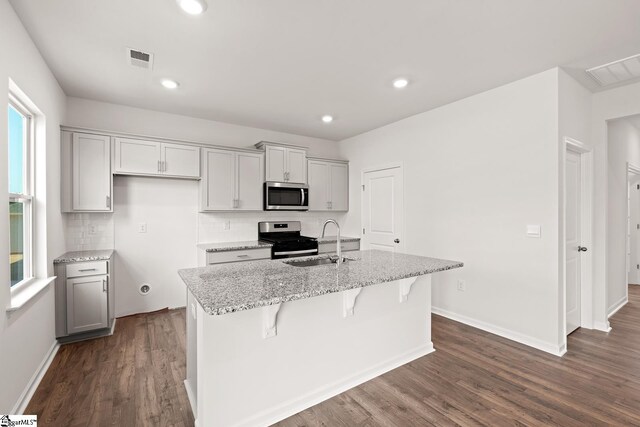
x: 617, y: 306
x: 312, y: 398
x: 33, y: 383
x: 191, y: 396
x: 556, y: 350
x: 602, y: 326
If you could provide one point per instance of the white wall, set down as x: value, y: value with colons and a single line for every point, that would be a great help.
x: 476, y: 172
x: 120, y: 118
x: 168, y: 206
x: 28, y: 334
x: 623, y: 147
x: 611, y: 104
x: 574, y: 121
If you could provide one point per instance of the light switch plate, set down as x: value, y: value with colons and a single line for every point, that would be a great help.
x: 142, y: 227
x: 534, y: 231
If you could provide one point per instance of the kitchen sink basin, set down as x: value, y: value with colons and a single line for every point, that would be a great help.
x: 315, y: 262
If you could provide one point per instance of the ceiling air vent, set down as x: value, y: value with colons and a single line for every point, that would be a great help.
x: 139, y: 58
x: 617, y: 71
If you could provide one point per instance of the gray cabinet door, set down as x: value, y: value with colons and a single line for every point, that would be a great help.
x: 87, y: 303
x: 91, y: 169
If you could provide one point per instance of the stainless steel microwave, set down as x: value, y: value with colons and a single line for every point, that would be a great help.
x: 283, y: 196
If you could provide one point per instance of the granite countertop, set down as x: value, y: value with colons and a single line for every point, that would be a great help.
x: 233, y: 246
x: 227, y: 288
x: 334, y: 239
x: 79, y: 256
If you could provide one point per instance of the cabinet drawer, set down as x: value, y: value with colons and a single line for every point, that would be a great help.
x: 90, y: 268
x: 324, y: 248
x: 236, y: 256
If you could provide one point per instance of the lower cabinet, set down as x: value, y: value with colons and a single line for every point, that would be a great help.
x: 85, y: 298
x: 87, y: 304
x: 238, y: 255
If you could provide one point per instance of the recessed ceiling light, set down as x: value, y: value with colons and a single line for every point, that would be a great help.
x: 327, y: 118
x: 169, y: 84
x: 400, y: 83
x: 193, y: 7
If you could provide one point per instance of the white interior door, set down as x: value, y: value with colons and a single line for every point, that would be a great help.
x: 633, y: 230
x: 382, y: 210
x: 573, y: 227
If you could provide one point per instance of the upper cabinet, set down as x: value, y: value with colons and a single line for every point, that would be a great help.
x: 284, y: 163
x: 328, y: 185
x: 231, y: 180
x: 142, y: 157
x: 87, y: 183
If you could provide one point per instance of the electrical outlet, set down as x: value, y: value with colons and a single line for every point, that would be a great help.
x: 462, y: 285
x: 92, y: 229
x: 227, y: 225
x: 142, y: 227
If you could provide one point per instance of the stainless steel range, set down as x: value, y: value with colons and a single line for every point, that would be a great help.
x: 286, y: 239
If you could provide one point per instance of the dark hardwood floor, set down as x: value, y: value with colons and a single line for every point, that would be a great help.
x: 132, y: 378
x: 474, y: 378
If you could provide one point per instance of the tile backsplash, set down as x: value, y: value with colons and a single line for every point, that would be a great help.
x: 239, y: 226
x: 90, y: 231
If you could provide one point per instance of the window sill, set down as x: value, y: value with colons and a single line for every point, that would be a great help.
x: 26, y: 292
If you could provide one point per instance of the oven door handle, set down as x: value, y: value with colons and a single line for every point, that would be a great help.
x: 306, y: 251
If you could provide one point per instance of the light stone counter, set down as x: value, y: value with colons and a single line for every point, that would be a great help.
x: 233, y: 246
x: 232, y: 287
x: 80, y: 256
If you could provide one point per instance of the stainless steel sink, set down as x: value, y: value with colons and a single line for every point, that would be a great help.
x: 315, y: 262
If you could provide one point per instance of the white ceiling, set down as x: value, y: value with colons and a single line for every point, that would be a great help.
x: 282, y: 64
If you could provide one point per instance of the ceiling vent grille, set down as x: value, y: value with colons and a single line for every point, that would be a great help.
x: 139, y: 58
x: 617, y: 71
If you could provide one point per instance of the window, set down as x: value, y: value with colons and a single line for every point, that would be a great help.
x: 20, y: 193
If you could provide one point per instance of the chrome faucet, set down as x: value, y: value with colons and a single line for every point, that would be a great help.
x: 338, y: 249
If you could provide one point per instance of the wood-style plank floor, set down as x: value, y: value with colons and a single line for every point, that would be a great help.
x: 132, y: 378
x: 474, y: 378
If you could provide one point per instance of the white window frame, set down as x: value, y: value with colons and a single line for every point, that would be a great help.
x: 27, y: 198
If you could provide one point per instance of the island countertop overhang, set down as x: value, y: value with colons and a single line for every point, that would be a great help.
x: 228, y: 288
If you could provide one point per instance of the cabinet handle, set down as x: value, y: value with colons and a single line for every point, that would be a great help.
x: 109, y: 202
x: 104, y: 285
x: 286, y: 176
x: 243, y: 256
x: 164, y: 166
x: 87, y: 269
x: 159, y: 168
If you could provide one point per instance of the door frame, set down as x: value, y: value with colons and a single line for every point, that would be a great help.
x: 632, y: 169
x: 364, y: 171
x: 586, y: 234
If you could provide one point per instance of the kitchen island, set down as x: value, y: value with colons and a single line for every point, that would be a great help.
x: 267, y: 339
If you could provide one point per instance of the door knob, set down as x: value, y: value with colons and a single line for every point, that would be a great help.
x: 582, y: 249
x: 397, y: 240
